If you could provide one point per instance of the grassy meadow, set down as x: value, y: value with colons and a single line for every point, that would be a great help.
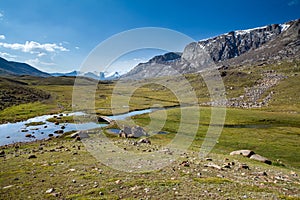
x: 66, y: 166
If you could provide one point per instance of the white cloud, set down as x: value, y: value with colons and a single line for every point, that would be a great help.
x: 7, y: 56
x: 41, y: 54
x: 34, y: 47
x: 2, y: 37
x: 77, y: 48
x: 36, y: 63
x: 1, y: 15
x: 124, y: 66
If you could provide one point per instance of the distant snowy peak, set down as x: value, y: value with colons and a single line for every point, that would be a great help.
x: 109, y: 77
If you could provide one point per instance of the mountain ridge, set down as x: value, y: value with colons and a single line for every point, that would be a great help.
x: 19, y: 69
x: 230, y: 49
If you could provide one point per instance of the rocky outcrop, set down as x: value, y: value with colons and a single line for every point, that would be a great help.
x: 255, y: 96
x: 236, y: 43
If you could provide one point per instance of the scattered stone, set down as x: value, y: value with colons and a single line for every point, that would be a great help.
x: 9, y: 186
x: 32, y: 156
x: 246, y: 153
x: 57, y: 194
x: 118, y: 181
x: 2, y: 153
x: 261, y: 159
x: 62, y: 127
x: 24, y: 130
x: 50, y: 135
x: 208, y: 159
x: 226, y: 166
x: 144, y: 140
x: 147, y: 190
x: 7, y: 136
x: 74, y: 135
x: 59, y: 131
x: 244, y: 166
x: 28, y: 135
x: 56, y: 123
x: 294, y: 174
x: 73, y: 181
x: 50, y: 190
x: 77, y: 138
x: 185, y: 163
x: 213, y: 166
x: 101, y: 193
x: 259, y: 174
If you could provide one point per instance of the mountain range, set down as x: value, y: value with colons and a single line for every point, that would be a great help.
x: 256, y: 46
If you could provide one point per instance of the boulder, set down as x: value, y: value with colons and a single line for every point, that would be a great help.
x: 105, y: 119
x: 138, y: 131
x: 125, y: 132
x: 74, y: 135
x: 260, y: 158
x: 144, y: 140
x: 2, y: 153
x: 32, y: 156
x: 59, y: 131
x: 132, y: 132
x: 246, y: 153
x: 83, y: 134
x: 50, y: 190
x: 211, y: 165
x: 244, y: 166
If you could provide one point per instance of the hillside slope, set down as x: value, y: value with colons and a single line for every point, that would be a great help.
x: 17, y: 68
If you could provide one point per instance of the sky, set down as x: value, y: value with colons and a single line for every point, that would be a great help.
x: 58, y: 35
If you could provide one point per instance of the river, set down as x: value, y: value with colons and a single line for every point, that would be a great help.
x: 17, y: 132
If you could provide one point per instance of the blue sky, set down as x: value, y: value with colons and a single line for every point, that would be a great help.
x: 57, y: 35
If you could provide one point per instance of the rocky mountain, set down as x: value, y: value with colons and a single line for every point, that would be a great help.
x: 18, y: 69
x: 252, y: 46
x: 158, y: 65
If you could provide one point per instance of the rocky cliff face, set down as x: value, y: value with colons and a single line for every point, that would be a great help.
x: 236, y: 43
x: 252, y: 46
